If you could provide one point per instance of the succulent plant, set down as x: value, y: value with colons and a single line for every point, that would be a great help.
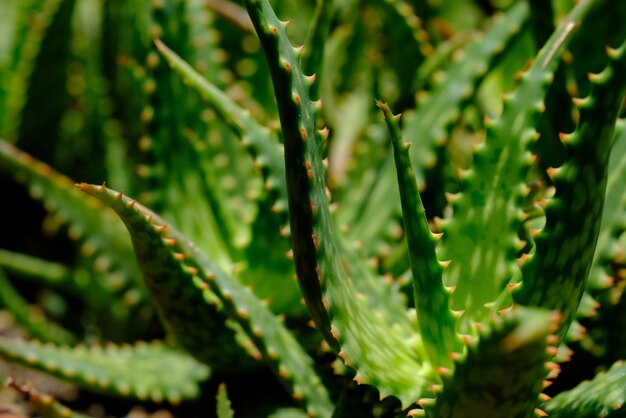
x: 448, y: 278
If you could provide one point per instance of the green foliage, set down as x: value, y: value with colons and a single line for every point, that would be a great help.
x: 584, y: 401
x: 136, y: 371
x: 223, y: 403
x: 270, y: 230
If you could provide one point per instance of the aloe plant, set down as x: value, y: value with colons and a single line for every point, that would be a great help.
x: 447, y: 278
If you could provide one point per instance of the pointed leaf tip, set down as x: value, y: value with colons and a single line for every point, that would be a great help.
x: 159, y: 44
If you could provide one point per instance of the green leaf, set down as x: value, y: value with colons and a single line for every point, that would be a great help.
x: 314, y: 46
x: 481, y: 238
x: 288, y: 413
x: 427, y: 125
x: 256, y: 138
x: 102, y: 234
x: 265, y: 149
x: 565, y: 247
x: 174, y: 169
x: 47, y: 273
x: 34, y: 18
x: 189, y: 311
x: 327, y: 270
x: 224, y: 409
x: 603, y: 396
x: 613, y: 215
x: 437, y: 322
x: 502, y: 373
x: 164, y: 251
x: 31, y: 319
x: 143, y: 371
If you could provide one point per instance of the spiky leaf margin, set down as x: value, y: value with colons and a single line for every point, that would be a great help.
x: 323, y: 263
x: 565, y: 247
x: 143, y: 371
x: 274, y: 341
x: 603, y: 396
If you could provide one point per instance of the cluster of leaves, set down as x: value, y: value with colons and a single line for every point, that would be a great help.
x: 253, y: 196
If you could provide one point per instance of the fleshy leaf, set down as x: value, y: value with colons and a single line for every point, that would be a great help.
x: 224, y: 409
x: 34, y: 19
x: 50, y: 274
x: 603, y: 396
x: 31, y: 320
x: 189, y: 311
x: 83, y: 214
x: 502, y: 373
x: 565, y: 247
x: 613, y: 214
x: 437, y: 323
x: 427, y: 125
x: 157, y: 243
x: 267, y: 153
x: 210, y: 216
x: 326, y: 269
x: 313, y: 54
x: 256, y: 138
x: 481, y: 238
x: 143, y: 371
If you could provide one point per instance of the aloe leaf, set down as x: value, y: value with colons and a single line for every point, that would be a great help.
x: 118, y: 311
x: 404, y: 30
x: 163, y: 251
x: 314, y: 46
x: 131, y: 371
x: 434, y: 114
x: 267, y: 153
x: 442, y: 106
x: 354, y: 106
x: 224, y: 409
x: 613, y: 214
x: 50, y: 274
x: 43, y: 405
x: 271, y: 273
x: 603, y: 396
x: 226, y: 158
x: 325, y: 267
x: 34, y: 19
x: 202, y: 51
x: 514, y: 345
x: 482, y: 237
x: 173, y: 168
x: 91, y: 114
x: 260, y: 13
x: 217, y: 212
x: 107, y: 240
x: 256, y: 138
x: 233, y: 187
x: 440, y: 56
x: 437, y: 323
x: 289, y: 413
x: 558, y: 115
x: 31, y: 320
x: 190, y: 312
x: 565, y: 247
x: 8, y: 33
